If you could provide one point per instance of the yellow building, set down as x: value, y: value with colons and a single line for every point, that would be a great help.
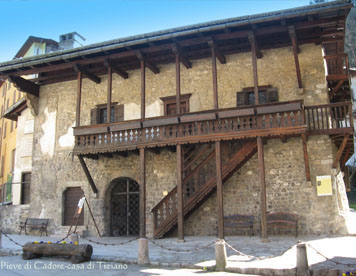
x: 16, y: 190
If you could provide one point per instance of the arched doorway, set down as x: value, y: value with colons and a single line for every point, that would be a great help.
x: 124, y: 207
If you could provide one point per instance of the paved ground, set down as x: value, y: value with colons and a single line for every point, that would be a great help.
x: 340, y: 250
x: 15, y: 266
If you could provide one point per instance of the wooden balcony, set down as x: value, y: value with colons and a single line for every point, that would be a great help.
x: 272, y: 120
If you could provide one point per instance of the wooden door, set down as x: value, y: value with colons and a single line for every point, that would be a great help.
x: 71, y: 198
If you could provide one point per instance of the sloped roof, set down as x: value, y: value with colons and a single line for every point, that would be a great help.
x: 28, y: 43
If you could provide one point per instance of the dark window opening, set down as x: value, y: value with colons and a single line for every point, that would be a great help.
x: 266, y: 94
x: 170, y: 105
x: 98, y: 115
x: 25, y: 188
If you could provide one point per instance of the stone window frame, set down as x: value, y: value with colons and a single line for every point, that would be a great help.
x: 169, y: 100
x: 270, y: 94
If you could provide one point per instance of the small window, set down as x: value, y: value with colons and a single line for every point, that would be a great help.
x: 98, y: 115
x: 12, y: 126
x: 4, y: 89
x: 5, y: 129
x: 14, y: 96
x: 7, y: 103
x: 19, y: 96
x: 25, y: 188
x: 170, y: 105
x: 13, y: 160
x: 266, y: 94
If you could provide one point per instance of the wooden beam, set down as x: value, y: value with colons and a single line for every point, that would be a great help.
x: 87, y: 174
x: 293, y: 38
x: 346, y: 157
x: 340, y: 151
x: 218, y: 52
x: 89, y: 75
x: 183, y: 59
x: 142, y: 193
x: 143, y: 89
x: 215, y: 78
x: 252, y: 40
x: 25, y: 86
x: 306, y: 157
x: 219, y: 190
x: 107, y: 154
x: 122, y: 153
x: 148, y: 64
x: 180, y: 193
x: 263, y: 200
x: 116, y: 69
x: 178, y: 83
x: 79, y: 98
x: 108, y: 106
x: 337, y: 87
x: 283, y: 138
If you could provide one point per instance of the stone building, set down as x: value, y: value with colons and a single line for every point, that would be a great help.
x: 246, y: 115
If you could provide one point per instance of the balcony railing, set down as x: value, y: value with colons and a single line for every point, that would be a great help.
x: 337, y: 66
x: 271, y: 119
x: 286, y: 118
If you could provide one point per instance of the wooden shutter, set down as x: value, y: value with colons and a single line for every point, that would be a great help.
x: 241, y: 98
x: 119, y: 113
x: 94, y: 116
x: 26, y: 188
x: 272, y: 95
x: 71, y: 199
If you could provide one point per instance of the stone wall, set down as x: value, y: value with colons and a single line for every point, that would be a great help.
x: 11, y: 215
x: 55, y: 169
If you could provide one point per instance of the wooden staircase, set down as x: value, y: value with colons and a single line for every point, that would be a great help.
x: 199, y: 180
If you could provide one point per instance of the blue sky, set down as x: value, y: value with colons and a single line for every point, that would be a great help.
x: 101, y: 20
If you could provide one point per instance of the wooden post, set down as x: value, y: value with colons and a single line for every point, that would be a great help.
x: 180, y: 194
x: 261, y: 164
x: 143, y: 89
x: 142, y: 193
x: 219, y: 190
x: 252, y: 39
x: 79, y: 98
x: 87, y: 174
x: 215, y: 78
x: 293, y: 38
x: 108, y: 107
x: 306, y: 157
x: 178, y: 83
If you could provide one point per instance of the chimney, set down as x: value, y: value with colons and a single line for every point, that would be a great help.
x: 66, y: 41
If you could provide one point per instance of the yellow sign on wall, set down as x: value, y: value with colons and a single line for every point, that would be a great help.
x: 323, y: 185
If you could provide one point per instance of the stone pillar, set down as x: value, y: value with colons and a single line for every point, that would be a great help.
x: 302, y: 260
x: 220, y: 255
x: 143, y: 258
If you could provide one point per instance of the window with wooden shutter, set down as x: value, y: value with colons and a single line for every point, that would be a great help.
x: 98, y: 115
x: 170, y: 107
x: 2, y: 166
x: 266, y: 94
x: 25, y: 188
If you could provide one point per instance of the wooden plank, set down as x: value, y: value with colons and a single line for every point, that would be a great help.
x: 142, y: 193
x: 143, y: 89
x: 116, y: 69
x: 108, y: 106
x: 263, y: 200
x: 197, y: 117
x: 90, y: 130
x: 160, y: 122
x: 337, y: 77
x: 278, y: 108
x: 340, y: 151
x: 183, y: 59
x: 180, y: 193
x: 346, y: 157
x: 79, y: 99
x: 306, y: 157
x: 125, y: 126
x: 148, y: 64
x: 25, y: 86
x: 337, y: 87
x: 215, y: 78
x: 87, y: 174
x: 236, y: 113
x: 252, y: 40
x: 293, y: 38
x: 219, y: 190
x: 177, y: 83
x: 217, y: 52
